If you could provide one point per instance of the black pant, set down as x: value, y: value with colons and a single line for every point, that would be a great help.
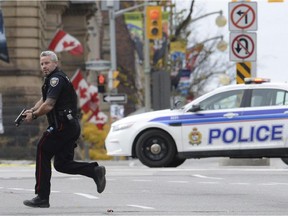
x: 59, y: 144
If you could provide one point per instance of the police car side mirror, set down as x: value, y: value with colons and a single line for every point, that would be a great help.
x: 178, y: 104
x: 195, y: 108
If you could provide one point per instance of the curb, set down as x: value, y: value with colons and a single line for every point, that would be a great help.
x: 244, y: 162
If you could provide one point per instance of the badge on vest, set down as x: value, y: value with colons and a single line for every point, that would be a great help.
x: 54, y: 81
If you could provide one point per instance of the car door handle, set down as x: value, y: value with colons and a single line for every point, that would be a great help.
x: 286, y: 112
x: 230, y: 115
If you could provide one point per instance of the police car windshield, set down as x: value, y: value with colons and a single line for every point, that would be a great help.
x: 223, y: 100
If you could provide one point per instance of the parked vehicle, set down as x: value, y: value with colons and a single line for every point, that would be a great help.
x: 237, y: 121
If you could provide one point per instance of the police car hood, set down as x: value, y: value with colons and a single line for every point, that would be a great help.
x: 148, y: 116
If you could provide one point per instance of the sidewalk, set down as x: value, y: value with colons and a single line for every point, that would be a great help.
x: 189, y: 163
x: 130, y: 162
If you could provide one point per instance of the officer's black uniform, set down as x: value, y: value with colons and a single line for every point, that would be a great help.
x: 61, y: 135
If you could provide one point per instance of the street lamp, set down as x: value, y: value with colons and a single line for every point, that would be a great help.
x: 220, y: 20
x: 222, y: 45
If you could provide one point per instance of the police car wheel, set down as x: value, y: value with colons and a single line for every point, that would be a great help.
x: 155, y: 148
x: 285, y: 160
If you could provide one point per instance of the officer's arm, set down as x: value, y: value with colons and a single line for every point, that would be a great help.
x: 44, y: 108
x: 37, y: 105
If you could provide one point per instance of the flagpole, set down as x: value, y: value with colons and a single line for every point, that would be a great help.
x: 113, y: 53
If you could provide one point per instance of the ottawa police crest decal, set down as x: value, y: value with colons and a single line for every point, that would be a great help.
x: 195, y: 137
x: 54, y: 81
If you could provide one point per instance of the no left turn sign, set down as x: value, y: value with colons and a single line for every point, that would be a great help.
x: 243, y: 47
x: 243, y: 16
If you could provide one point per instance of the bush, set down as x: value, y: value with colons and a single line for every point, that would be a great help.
x: 95, y: 136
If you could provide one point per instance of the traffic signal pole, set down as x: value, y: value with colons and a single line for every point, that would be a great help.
x: 112, y: 16
x: 147, y: 69
x: 110, y: 5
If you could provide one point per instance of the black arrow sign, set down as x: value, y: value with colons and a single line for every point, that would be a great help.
x: 240, y: 13
x: 240, y: 45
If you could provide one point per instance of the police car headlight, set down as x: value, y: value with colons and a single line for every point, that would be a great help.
x: 122, y: 126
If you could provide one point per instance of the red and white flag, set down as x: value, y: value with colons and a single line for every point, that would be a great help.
x: 98, y: 118
x: 94, y: 97
x: 65, y: 42
x: 81, y: 87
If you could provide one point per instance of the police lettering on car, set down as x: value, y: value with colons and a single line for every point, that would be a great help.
x: 262, y: 133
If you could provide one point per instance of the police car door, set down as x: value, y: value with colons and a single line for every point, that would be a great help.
x: 215, y: 125
x: 266, y: 117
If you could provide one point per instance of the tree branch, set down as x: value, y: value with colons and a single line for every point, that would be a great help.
x: 184, y: 23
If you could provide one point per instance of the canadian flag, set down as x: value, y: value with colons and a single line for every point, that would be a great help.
x: 65, y: 42
x: 98, y: 118
x: 94, y: 97
x: 81, y: 87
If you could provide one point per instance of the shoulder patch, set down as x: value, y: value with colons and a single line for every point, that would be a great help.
x: 54, y: 81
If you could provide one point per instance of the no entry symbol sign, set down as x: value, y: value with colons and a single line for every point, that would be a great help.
x: 243, y: 16
x: 243, y: 47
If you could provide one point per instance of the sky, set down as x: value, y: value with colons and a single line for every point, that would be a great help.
x: 272, y: 34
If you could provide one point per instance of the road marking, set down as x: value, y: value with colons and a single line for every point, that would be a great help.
x: 273, y: 183
x: 182, y: 182
x: 142, y: 207
x: 141, y: 180
x: 20, y: 189
x: 206, y: 177
x: 75, y: 178
x: 208, y: 182
x: 87, y: 195
x: 240, y: 183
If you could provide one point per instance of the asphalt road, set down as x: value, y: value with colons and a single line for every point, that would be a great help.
x: 198, y: 187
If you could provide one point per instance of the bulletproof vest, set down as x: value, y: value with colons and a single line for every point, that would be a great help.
x: 67, y: 99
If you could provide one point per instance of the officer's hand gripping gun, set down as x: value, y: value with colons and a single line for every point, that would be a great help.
x: 20, y: 118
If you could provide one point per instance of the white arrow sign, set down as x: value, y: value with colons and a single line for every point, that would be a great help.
x: 98, y: 65
x: 115, y: 98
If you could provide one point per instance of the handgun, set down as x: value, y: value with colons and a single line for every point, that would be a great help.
x: 20, y: 118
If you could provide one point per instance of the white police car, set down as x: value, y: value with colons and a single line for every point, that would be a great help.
x: 237, y: 121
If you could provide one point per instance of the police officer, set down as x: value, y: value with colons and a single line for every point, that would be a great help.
x: 59, y: 104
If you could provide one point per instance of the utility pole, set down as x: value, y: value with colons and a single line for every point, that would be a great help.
x: 112, y: 16
x: 111, y: 10
x: 147, y: 68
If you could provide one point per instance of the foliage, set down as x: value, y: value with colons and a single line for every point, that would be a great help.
x: 96, y: 139
x: 210, y: 65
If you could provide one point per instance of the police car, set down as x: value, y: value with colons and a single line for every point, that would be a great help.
x: 238, y: 121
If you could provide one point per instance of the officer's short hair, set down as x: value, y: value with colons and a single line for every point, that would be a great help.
x: 53, y: 56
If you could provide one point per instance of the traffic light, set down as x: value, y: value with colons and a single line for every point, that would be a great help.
x: 154, y: 22
x: 101, y: 80
x: 115, y: 80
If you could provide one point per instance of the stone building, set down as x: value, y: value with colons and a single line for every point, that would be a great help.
x: 29, y: 27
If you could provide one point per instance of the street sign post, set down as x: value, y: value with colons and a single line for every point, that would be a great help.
x: 115, y: 98
x: 243, y: 46
x: 243, y: 20
x: 243, y: 16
